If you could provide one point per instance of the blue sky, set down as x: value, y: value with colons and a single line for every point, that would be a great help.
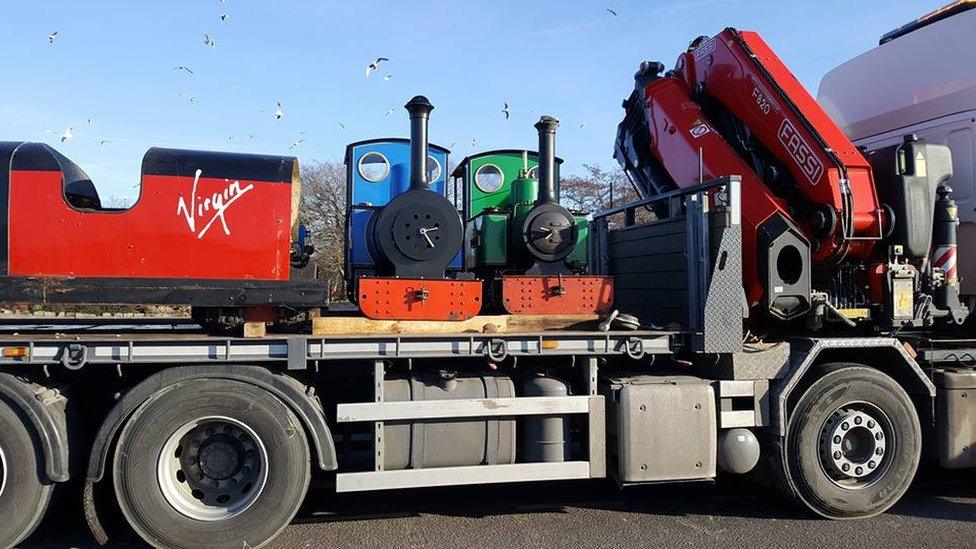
x: 572, y: 59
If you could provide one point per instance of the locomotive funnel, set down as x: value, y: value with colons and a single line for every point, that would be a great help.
x: 419, y: 108
x: 547, y: 159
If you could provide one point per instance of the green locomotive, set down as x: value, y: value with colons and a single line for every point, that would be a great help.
x: 499, y: 186
x: 517, y: 234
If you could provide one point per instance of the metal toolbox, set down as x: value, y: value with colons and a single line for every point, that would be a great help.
x: 663, y: 428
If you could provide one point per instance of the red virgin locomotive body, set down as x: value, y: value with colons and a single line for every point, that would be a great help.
x: 209, y: 229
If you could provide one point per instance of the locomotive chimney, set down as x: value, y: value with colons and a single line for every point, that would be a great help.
x: 547, y: 159
x: 419, y: 108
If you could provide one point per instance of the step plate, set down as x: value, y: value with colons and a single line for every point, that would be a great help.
x: 540, y: 295
x: 419, y: 299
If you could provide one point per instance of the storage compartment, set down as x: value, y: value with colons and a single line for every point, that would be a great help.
x: 446, y: 443
x: 662, y: 428
x: 956, y: 418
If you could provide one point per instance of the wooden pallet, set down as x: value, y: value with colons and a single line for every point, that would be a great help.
x: 356, y: 325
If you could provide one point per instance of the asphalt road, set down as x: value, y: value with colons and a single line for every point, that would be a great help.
x: 939, y: 511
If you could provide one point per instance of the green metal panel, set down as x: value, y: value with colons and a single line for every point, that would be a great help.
x: 493, y: 229
x: 580, y: 253
x: 509, y: 162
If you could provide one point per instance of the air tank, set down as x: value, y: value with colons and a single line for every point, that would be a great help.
x: 544, y: 438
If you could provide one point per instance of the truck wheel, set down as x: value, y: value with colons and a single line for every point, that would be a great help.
x: 854, y: 443
x: 211, y: 463
x: 25, y: 491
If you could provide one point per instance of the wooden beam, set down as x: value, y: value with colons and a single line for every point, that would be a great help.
x: 355, y: 325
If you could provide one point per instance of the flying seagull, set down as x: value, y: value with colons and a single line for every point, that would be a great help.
x: 182, y: 68
x: 341, y: 125
x: 67, y: 135
x: 389, y: 111
x: 612, y: 12
x: 505, y: 110
x: 387, y: 78
x: 103, y: 141
x: 279, y: 111
x: 89, y: 121
x: 209, y: 41
x: 224, y: 17
x: 52, y: 37
x: 374, y: 65
x: 295, y: 144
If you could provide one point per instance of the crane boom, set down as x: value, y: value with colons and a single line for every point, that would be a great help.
x: 811, y: 211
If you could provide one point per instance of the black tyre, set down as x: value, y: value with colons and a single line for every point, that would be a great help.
x: 25, y: 490
x: 211, y: 464
x: 854, y: 443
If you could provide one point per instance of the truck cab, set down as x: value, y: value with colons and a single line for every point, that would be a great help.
x: 918, y: 80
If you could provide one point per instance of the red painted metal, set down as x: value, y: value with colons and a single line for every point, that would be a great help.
x: 557, y: 295
x: 741, y: 71
x: 679, y: 130
x: 243, y: 234
x: 419, y: 299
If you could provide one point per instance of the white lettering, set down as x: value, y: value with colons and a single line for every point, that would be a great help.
x: 211, y: 209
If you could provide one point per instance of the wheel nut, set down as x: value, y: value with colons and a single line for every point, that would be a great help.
x: 878, y: 436
x: 845, y: 426
x: 836, y: 439
x: 837, y: 455
x: 857, y: 420
x: 879, y: 451
x: 845, y: 467
x: 858, y: 471
x: 870, y: 424
x: 872, y: 465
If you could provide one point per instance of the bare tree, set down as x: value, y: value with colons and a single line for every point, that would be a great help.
x: 599, y: 189
x: 593, y: 190
x: 323, y: 211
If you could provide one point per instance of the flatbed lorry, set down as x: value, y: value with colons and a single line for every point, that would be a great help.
x: 212, y: 441
x: 206, y: 440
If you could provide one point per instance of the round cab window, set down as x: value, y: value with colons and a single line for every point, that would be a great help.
x: 374, y: 167
x: 433, y: 169
x: 488, y: 178
x: 534, y: 173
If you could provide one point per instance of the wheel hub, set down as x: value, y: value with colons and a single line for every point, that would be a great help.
x: 854, y: 445
x: 212, y: 468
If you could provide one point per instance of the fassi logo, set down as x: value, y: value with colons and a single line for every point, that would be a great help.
x: 800, y: 151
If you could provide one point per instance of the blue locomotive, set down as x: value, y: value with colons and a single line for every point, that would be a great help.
x: 403, y: 234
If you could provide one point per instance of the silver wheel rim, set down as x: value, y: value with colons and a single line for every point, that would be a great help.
x: 212, y: 468
x: 3, y: 471
x: 857, y: 445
